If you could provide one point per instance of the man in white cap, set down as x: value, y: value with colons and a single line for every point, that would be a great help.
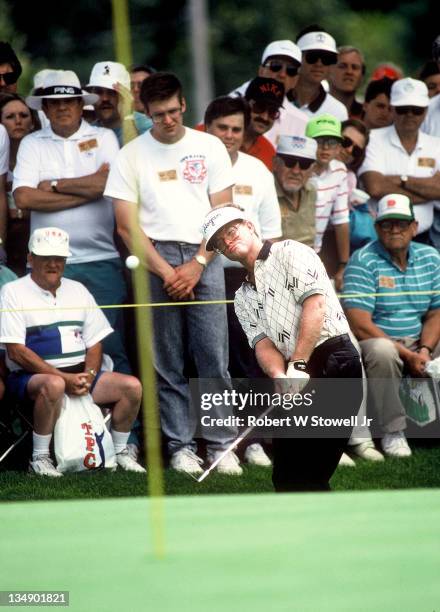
x: 281, y: 60
x: 403, y: 159
x: 319, y: 53
x: 60, y: 176
x: 55, y: 348
x: 294, y: 322
x: 292, y: 169
x: 110, y: 81
x: 396, y: 332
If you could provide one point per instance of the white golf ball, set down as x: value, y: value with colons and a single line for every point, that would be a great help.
x: 132, y: 262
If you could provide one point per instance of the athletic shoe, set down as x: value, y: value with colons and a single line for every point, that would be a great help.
x: 127, y: 463
x: 43, y: 466
x: 346, y: 461
x: 184, y: 460
x: 366, y: 450
x: 229, y: 465
x: 395, y: 445
x: 255, y: 455
x: 133, y: 451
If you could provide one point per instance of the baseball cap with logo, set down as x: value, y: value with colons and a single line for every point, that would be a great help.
x: 218, y: 218
x: 297, y: 146
x: 282, y: 47
x: 48, y: 241
x: 317, y: 41
x: 107, y: 74
x: 409, y: 92
x: 395, y: 206
x: 324, y: 125
x: 269, y: 90
x: 60, y: 84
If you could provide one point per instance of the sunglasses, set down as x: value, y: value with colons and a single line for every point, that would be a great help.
x: 260, y: 108
x: 388, y: 224
x: 326, y: 57
x: 356, y: 150
x: 291, y: 162
x: 406, y: 110
x: 9, y: 77
x: 277, y: 66
x: 327, y: 141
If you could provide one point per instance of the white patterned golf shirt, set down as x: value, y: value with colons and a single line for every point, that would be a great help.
x: 286, y: 273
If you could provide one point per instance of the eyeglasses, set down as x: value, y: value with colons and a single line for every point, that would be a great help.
x: 356, y: 150
x: 174, y: 113
x: 326, y: 57
x: 388, y: 224
x: 9, y: 77
x: 290, y: 161
x: 406, y: 110
x: 231, y: 233
x: 327, y: 141
x: 259, y: 108
x: 276, y: 66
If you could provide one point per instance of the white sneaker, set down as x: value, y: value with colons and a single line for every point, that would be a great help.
x: 133, y: 451
x: 43, y: 466
x: 395, y: 445
x: 255, y: 455
x: 184, y: 460
x: 346, y: 461
x: 366, y: 450
x: 127, y: 463
x: 229, y: 465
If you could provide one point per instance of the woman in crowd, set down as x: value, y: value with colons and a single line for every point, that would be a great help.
x: 19, y: 120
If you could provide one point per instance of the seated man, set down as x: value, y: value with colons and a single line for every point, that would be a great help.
x: 396, y: 331
x: 52, y: 351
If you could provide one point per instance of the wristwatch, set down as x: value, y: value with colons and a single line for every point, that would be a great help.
x: 403, y: 180
x: 299, y: 364
x: 53, y: 186
x: 201, y: 259
x: 92, y: 372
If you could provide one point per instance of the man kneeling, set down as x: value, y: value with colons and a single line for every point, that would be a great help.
x: 52, y: 330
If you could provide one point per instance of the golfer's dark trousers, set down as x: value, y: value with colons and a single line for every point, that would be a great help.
x: 307, y: 464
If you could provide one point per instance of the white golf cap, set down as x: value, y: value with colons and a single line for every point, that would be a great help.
x: 409, y: 92
x: 319, y: 41
x: 60, y: 84
x: 395, y: 206
x: 106, y: 74
x: 297, y: 146
x: 50, y: 241
x: 282, y: 47
x: 218, y: 218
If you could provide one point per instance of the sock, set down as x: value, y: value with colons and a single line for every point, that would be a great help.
x: 120, y: 440
x: 40, y: 444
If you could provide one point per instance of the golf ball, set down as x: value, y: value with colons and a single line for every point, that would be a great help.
x: 132, y: 262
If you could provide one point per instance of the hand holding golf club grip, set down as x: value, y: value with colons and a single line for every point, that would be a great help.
x: 297, y: 379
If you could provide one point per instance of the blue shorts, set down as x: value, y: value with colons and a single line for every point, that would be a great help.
x: 16, y: 384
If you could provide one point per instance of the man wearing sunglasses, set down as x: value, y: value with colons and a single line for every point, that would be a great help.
x: 10, y: 69
x: 397, y: 333
x: 403, y: 159
x: 319, y: 53
x: 292, y: 170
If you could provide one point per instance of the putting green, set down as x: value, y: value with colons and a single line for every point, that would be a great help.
x: 341, y: 551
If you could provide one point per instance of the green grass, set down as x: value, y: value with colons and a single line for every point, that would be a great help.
x: 419, y: 471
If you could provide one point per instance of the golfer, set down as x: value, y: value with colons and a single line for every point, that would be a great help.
x: 294, y: 322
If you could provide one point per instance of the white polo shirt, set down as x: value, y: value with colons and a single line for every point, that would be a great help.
x: 291, y: 122
x: 172, y: 182
x: 286, y: 273
x: 4, y: 150
x: 325, y: 103
x: 60, y: 329
x: 385, y: 154
x: 331, y: 199
x: 43, y: 155
x: 431, y: 124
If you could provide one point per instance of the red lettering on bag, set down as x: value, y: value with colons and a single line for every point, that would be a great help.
x: 90, y: 460
x: 87, y: 426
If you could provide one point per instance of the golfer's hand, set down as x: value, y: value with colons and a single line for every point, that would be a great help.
x: 297, y: 379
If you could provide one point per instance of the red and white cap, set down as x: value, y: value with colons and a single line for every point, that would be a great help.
x: 394, y: 206
x: 47, y: 241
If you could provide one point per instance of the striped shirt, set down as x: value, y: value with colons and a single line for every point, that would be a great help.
x: 370, y: 270
x: 331, y: 199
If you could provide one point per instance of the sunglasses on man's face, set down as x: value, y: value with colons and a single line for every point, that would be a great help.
x: 290, y: 162
x: 9, y: 77
x: 356, y: 150
x: 326, y: 58
x: 406, y: 110
x: 277, y: 66
x: 259, y: 108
